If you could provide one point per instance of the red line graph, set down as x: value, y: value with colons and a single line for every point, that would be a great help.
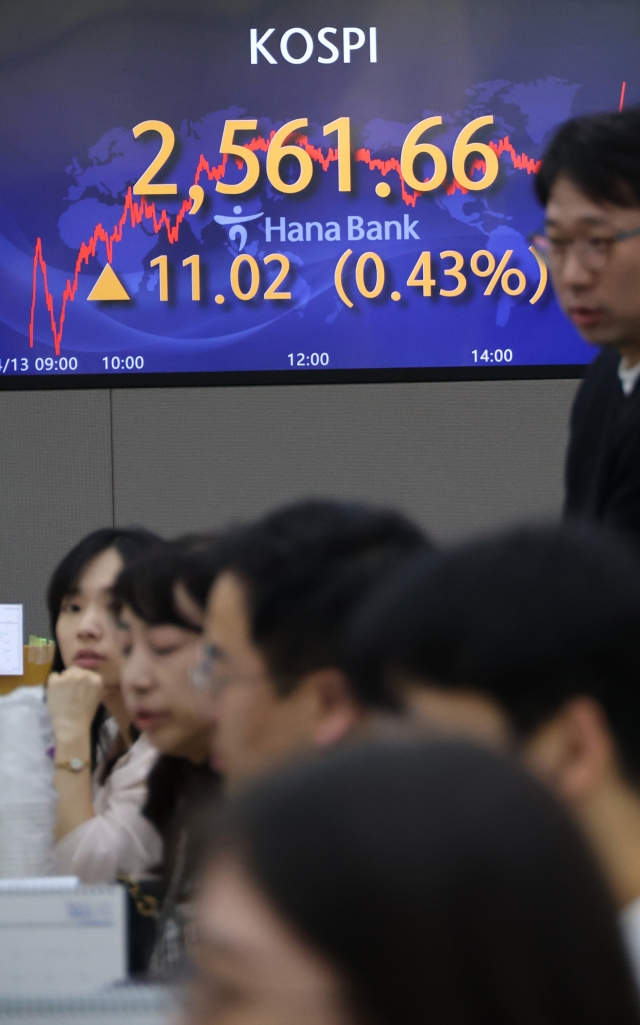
x: 134, y: 213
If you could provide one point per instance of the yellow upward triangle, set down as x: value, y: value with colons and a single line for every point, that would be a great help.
x: 108, y: 287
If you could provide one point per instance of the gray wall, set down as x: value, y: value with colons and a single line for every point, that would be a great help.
x: 458, y: 457
x: 55, y: 486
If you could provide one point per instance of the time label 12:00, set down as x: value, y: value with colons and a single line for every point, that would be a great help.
x: 303, y: 359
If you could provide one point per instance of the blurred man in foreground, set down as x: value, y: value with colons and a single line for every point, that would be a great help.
x: 589, y: 184
x: 284, y: 589
x: 531, y: 639
x: 404, y: 884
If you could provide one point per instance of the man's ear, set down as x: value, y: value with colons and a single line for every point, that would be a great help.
x: 335, y: 711
x: 573, y: 751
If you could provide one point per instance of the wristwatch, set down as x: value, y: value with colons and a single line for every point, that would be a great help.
x: 74, y: 764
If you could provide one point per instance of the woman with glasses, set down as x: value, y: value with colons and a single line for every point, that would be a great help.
x: 163, y: 649
x: 589, y: 184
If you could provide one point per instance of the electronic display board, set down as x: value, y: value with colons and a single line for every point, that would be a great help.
x: 289, y: 191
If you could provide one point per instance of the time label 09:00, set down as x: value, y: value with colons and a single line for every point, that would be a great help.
x: 22, y: 363
x: 60, y: 363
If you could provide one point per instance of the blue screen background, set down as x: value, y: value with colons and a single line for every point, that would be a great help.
x: 69, y: 160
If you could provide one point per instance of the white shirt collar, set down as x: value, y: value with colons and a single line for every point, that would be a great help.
x: 628, y: 376
x: 630, y: 925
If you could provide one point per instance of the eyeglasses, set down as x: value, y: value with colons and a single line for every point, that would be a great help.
x: 202, y: 673
x: 591, y: 253
x: 208, y: 677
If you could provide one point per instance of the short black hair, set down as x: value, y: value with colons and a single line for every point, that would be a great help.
x: 532, y: 617
x: 128, y: 542
x: 147, y: 585
x: 444, y: 883
x: 200, y: 566
x: 305, y: 567
x: 600, y: 153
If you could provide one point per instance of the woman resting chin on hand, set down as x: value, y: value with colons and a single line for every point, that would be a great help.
x: 73, y: 698
x: 100, y: 775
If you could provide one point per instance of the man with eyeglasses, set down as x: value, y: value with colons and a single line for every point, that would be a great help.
x: 589, y: 184
x: 284, y: 587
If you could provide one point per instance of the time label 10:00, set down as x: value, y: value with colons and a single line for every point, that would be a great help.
x: 281, y: 144
x: 123, y: 363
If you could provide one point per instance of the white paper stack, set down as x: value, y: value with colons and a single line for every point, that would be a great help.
x: 27, y: 795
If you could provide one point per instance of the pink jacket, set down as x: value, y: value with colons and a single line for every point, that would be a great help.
x: 118, y: 840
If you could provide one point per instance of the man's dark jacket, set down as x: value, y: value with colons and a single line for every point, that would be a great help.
x: 603, y: 460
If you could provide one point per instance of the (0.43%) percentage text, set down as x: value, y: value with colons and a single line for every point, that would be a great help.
x: 370, y: 274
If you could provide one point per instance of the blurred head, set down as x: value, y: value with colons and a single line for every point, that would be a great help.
x: 162, y: 648
x: 79, y: 603
x: 398, y: 885
x: 284, y: 590
x: 199, y: 568
x: 589, y: 184
x: 532, y: 637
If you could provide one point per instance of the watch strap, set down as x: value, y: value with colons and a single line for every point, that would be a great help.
x: 73, y: 764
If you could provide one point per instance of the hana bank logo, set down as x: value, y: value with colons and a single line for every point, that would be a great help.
x: 304, y: 46
x: 236, y: 225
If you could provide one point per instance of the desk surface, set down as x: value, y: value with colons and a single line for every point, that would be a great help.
x: 34, y: 675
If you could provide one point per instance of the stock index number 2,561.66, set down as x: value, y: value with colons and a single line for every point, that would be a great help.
x: 290, y: 141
